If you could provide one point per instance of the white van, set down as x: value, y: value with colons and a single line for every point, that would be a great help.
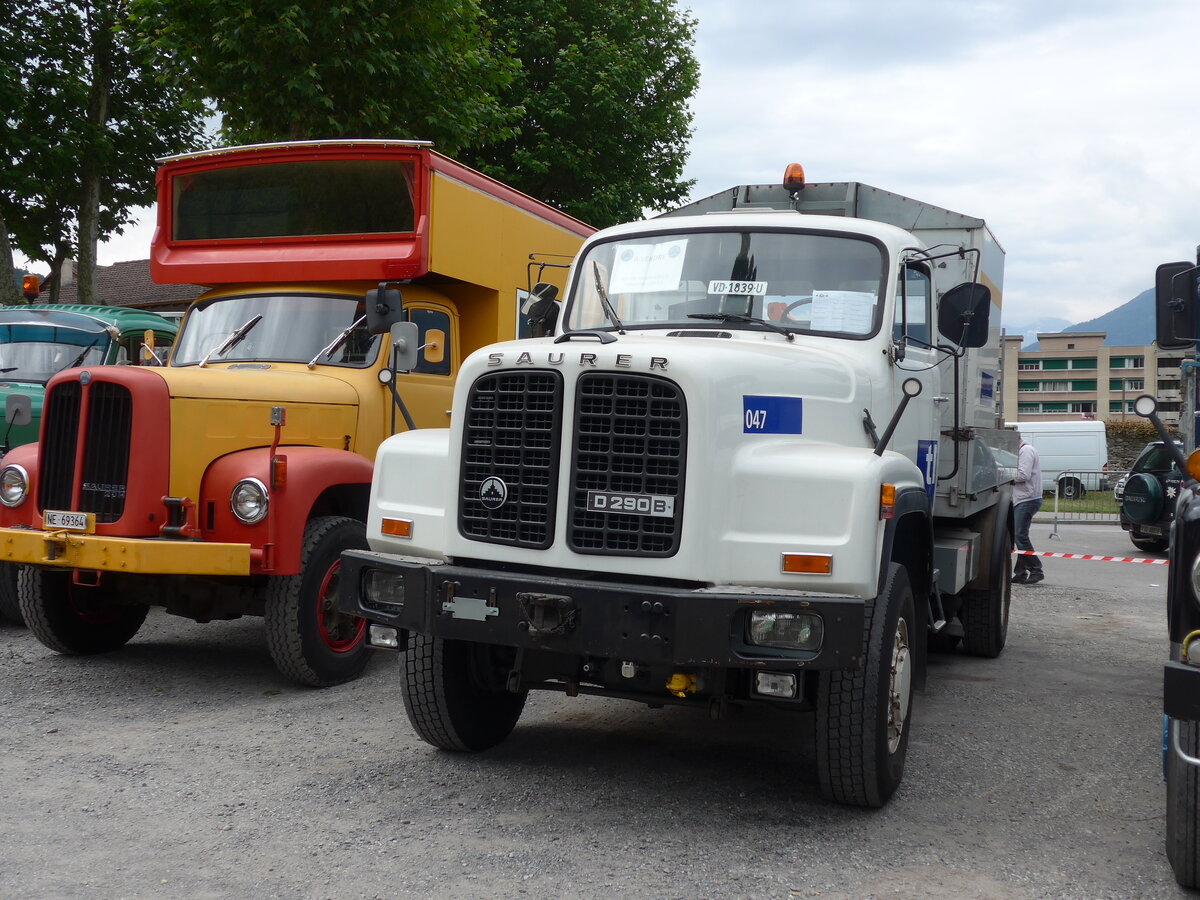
x: 1074, y: 454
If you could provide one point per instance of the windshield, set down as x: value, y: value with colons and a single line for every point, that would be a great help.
x: 1156, y: 459
x: 819, y: 283
x: 293, y: 328
x: 35, y: 352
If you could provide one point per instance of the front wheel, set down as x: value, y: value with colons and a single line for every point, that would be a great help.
x: 72, y: 618
x: 310, y: 639
x: 453, y: 695
x: 863, y: 714
x: 1183, y: 807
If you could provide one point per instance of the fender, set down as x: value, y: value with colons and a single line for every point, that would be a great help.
x: 25, y: 456
x: 310, y: 472
x: 912, y: 546
x: 993, y: 527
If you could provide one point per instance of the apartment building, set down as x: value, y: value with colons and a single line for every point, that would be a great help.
x: 1073, y: 375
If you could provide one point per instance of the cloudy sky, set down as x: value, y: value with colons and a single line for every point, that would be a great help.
x: 1071, y: 126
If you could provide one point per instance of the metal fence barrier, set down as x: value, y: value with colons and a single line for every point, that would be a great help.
x: 1082, y: 496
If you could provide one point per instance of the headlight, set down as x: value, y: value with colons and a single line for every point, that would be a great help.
x: 790, y: 631
x: 1195, y: 573
x: 14, y: 485
x: 249, y: 501
x: 383, y: 591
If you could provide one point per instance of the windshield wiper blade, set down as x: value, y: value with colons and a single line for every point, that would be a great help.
x: 329, y: 348
x: 232, y: 341
x: 749, y: 320
x: 608, y: 307
x: 86, y: 350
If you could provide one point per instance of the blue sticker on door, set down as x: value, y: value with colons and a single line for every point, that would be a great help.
x: 772, y: 415
x: 927, y: 460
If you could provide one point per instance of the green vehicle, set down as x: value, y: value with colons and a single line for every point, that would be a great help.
x: 40, y: 340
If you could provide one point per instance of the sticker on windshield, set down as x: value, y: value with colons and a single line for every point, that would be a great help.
x: 850, y: 311
x: 740, y: 288
x: 641, y: 268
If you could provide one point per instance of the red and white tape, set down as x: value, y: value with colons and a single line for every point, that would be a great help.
x: 1093, y: 557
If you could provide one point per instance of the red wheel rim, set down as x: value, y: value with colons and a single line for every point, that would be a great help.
x: 339, y: 632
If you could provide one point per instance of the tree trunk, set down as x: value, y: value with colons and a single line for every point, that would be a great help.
x: 9, y: 294
x: 97, y: 117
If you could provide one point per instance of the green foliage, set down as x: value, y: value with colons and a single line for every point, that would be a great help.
x: 286, y: 70
x: 602, y: 91
x: 83, y: 101
x: 1138, y: 431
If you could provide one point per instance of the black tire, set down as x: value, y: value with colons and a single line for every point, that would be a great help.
x: 10, y: 603
x: 1183, y: 808
x: 984, y: 613
x: 1149, y: 544
x: 863, y: 715
x: 310, y: 639
x: 451, y: 700
x: 75, y: 619
x: 1071, y: 489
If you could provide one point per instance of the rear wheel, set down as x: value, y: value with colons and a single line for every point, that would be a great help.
x: 1071, y: 488
x: 863, y: 714
x: 984, y: 613
x: 310, y: 639
x: 10, y: 603
x: 1183, y: 807
x: 452, y: 695
x: 75, y: 619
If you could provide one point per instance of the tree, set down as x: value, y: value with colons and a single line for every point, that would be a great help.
x: 89, y: 110
x: 604, y: 90
x: 286, y: 70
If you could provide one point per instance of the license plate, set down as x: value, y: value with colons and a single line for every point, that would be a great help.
x: 637, y: 504
x: 68, y: 521
x: 1154, y: 529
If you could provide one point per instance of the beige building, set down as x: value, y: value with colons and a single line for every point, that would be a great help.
x: 1073, y: 375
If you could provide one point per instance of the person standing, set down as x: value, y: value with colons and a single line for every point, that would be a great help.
x: 1027, y: 500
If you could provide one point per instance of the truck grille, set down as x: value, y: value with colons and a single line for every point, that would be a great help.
x: 105, y: 469
x: 511, y: 440
x: 630, y: 438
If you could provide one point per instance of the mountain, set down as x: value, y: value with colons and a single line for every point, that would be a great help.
x: 1130, y: 324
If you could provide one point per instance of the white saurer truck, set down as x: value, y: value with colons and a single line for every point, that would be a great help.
x: 752, y: 464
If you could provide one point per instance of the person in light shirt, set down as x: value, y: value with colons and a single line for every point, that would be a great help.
x: 1027, y: 500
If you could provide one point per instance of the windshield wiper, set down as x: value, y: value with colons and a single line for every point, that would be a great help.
x: 230, y: 342
x: 749, y: 320
x: 86, y: 351
x: 329, y: 348
x: 608, y: 307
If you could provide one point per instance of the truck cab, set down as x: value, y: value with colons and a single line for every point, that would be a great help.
x: 753, y: 466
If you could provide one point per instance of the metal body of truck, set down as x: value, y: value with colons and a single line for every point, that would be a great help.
x: 755, y: 465
x: 1177, y: 295
x: 39, y: 340
x: 229, y: 481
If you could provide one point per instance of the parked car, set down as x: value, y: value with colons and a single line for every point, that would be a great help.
x: 40, y: 340
x: 1148, y: 495
x: 1073, y: 455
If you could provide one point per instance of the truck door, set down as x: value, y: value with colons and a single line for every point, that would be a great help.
x: 913, y: 334
x: 428, y: 389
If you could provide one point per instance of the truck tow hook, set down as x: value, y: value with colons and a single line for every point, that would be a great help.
x: 546, y: 615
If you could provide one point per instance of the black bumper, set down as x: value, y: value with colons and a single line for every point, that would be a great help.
x: 1181, y: 691
x: 645, y: 624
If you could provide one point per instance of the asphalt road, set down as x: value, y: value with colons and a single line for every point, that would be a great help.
x: 185, y: 766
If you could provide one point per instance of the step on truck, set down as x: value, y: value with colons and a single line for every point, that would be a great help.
x: 346, y: 280
x: 1177, y: 302
x: 756, y: 463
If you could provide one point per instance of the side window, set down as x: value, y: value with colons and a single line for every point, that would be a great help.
x: 427, y: 320
x: 913, y: 287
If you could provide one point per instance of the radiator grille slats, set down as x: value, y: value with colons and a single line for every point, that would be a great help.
x: 510, y: 458
x: 107, y: 436
x: 631, y: 437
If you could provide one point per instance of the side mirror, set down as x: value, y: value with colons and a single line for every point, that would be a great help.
x: 18, y: 410
x: 435, y: 346
x: 1175, y: 305
x: 384, y: 308
x: 541, y: 308
x: 963, y: 314
x: 405, y: 339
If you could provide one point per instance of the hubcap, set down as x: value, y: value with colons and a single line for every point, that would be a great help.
x: 900, y: 688
x: 339, y: 632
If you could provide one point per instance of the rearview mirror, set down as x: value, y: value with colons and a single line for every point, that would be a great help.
x: 18, y: 410
x: 963, y: 314
x: 1175, y: 305
x: 541, y: 308
x: 384, y: 307
x: 405, y: 340
x: 435, y: 346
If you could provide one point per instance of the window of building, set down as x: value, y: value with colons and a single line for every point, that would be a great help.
x: 1029, y: 407
x: 1029, y: 366
x: 1029, y: 385
x: 1070, y: 346
x: 1054, y: 363
x: 1089, y: 385
x: 1056, y: 385
x: 1135, y: 384
x: 1054, y: 407
x: 1084, y: 362
x: 1085, y: 406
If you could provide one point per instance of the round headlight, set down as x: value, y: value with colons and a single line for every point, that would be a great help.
x: 1196, y: 575
x: 14, y: 485
x: 249, y: 500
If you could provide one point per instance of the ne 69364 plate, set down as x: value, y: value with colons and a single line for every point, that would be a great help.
x: 69, y: 521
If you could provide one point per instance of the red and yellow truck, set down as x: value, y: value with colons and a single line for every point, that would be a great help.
x: 347, y: 279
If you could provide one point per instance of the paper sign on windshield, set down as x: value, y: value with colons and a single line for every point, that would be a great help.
x: 852, y: 312
x: 641, y: 268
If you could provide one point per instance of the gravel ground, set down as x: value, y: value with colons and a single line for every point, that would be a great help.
x: 185, y: 766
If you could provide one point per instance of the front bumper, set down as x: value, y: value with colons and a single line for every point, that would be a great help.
x: 644, y: 624
x: 71, y: 550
